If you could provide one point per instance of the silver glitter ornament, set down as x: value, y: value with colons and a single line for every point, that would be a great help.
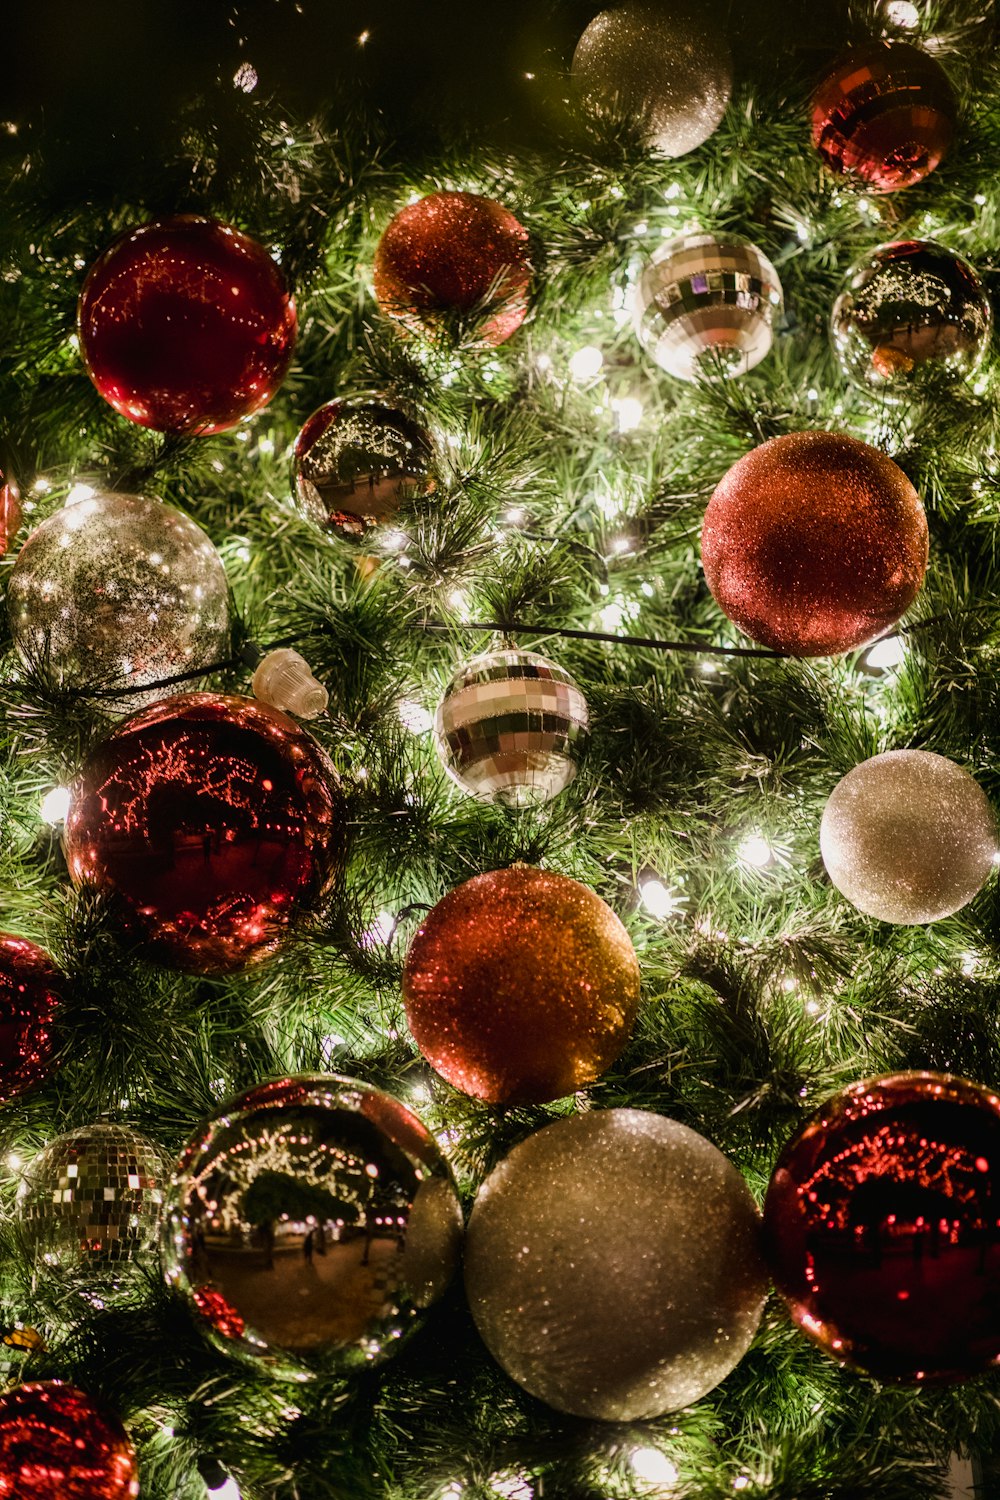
x: 910, y: 309
x: 310, y: 1224
x: 613, y: 1265
x: 511, y: 727
x: 707, y: 306
x: 669, y: 73
x: 355, y: 461
x: 118, y: 591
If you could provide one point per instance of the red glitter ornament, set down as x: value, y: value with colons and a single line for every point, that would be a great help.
x: 186, y: 325
x: 814, y: 543
x: 212, y: 818
x: 58, y: 1443
x: 454, y: 253
x: 29, y: 999
x: 882, y: 1228
x: 885, y: 114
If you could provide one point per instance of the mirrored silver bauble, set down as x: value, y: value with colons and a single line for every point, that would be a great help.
x: 310, y: 1224
x: 910, y: 309
x: 355, y: 461
x: 511, y: 728
x: 706, y: 306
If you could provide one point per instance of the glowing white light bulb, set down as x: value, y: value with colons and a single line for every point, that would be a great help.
x: 227, y: 1490
x: 652, y: 1466
x: 78, y: 492
x: 902, y: 13
x: 659, y: 902
x: 55, y: 806
x: 885, y: 655
x: 245, y: 78
x: 628, y: 410
x: 586, y: 363
x: 414, y: 716
x: 755, y: 851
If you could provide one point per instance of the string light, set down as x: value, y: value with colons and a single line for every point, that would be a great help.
x: 586, y: 363
x: 414, y: 716
x: 886, y: 655
x: 902, y: 13
x: 755, y: 852
x: 628, y: 410
x: 55, y: 806
x: 660, y: 902
x: 653, y: 1467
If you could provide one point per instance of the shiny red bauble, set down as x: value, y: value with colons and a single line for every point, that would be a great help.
x: 30, y: 996
x: 882, y: 1227
x: 458, y: 261
x: 884, y: 115
x: 58, y: 1443
x: 211, y: 819
x: 10, y: 512
x: 814, y: 543
x: 186, y: 325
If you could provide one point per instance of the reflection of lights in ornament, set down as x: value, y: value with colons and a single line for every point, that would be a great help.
x: 77, y: 492
x: 886, y: 655
x: 653, y: 1467
x: 586, y: 363
x: 55, y: 806
x: 755, y: 852
x: 658, y: 900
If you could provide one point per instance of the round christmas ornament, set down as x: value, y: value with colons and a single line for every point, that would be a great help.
x: 521, y: 986
x: 118, y: 591
x: 909, y: 309
x: 212, y: 819
x: 30, y: 997
x: 814, y: 543
x: 10, y: 512
x: 454, y: 254
x: 354, y: 463
x: 669, y: 73
x: 613, y: 1265
x: 311, y: 1224
x: 880, y: 1227
x: 58, y: 1443
x: 511, y: 727
x: 186, y: 325
x: 908, y: 837
x: 706, y: 306
x: 92, y: 1201
x: 885, y: 115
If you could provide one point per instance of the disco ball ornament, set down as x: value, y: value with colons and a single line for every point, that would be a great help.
x: 884, y: 115
x: 670, y: 74
x: 355, y: 462
x: 58, y: 1443
x: 30, y: 998
x: 881, y: 1227
x: 186, y: 325
x: 814, y: 543
x: 450, y: 259
x: 311, y: 1224
x: 118, y: 591
x: 211, y: 820
x: 511, y: 727
x: 92, y: 1201
x: 613, y: 1265
x: 908, y: 837
x: 521, y: 986
x: 706, y: 307
x: 910, y: 309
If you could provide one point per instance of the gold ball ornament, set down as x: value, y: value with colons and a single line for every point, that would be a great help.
x: 613, y: 1265
x: 908, y: 837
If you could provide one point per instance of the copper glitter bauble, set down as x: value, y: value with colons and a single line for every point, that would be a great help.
x: 910, y: 309
x: 311, y: 1223
x: 511, y: 727
x: 454, y: 254
x: 908, y: 837
x: 814, y: 543
x: 186, y: 325
x: 885, y: 115
x: 881, y: 1227
x: 212, y: 819
x: 521, y: 986
x: 613, y: 1265
x: 670, y: 74
x: 354, y: 463
x: 30, y: 997
x: 58, y: 1443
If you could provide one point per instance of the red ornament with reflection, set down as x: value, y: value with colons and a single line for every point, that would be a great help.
x: 30, y: 996
x: 882, y: 1227
x: 211, y: 819
x: 10, y: 512
x: 186, y: 325
x: 58, y: 1443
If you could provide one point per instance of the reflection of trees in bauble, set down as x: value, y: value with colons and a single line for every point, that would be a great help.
x: 273, y: 1194
x: 874, y: 1202
x: 168, y: 809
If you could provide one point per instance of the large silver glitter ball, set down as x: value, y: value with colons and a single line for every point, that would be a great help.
x: 907, y: 310
x: 908, y: 837
x: 613, y: 1265
x: 118, y: 591
x: 669, y: 73
x: 310, y: 1224
x: 706, y: 307
x: 91, y: 1201
x: 511, y: 727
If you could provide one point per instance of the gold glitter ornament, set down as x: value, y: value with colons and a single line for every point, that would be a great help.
x: 613, y: 1265
x: 670, y: 73
x: 908, y: 837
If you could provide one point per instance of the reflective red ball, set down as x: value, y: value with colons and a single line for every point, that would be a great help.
x: 58, y: 1443
x: 30, y: 996
x: 186, y: 325
x: 211, y: 819
x: 882, y: 1227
